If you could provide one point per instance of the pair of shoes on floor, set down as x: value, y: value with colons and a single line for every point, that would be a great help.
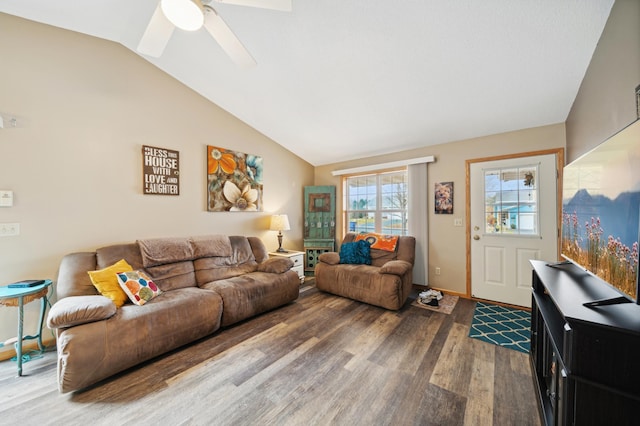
x: 430, y: 297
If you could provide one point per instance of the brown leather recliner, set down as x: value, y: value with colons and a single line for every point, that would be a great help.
x: 385, y: 283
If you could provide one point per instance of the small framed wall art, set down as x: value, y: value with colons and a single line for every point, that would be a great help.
x: 444, y: 198
x: 160, y: 171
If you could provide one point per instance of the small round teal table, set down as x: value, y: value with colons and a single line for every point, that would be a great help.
x: 24, y: 295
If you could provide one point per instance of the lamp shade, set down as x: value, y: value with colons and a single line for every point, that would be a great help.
x: 279, y: 222
x: 187, y: 15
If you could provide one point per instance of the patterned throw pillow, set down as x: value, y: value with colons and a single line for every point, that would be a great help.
x: 379, y: 241
x: 106, y: 282
x: 358, y: 252
x: 138, y: 286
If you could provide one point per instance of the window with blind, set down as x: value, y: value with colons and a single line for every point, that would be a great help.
x: 376, y: 202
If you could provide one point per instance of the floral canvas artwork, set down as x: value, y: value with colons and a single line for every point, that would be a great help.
x: 234, y: 181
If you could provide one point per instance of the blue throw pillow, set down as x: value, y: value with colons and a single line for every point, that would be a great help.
x: 358, y: 252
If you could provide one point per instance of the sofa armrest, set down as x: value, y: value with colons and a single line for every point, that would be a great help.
x: 330, y: 258
x: 396, y: 267
x: 276, y: 265
x: 76, y: 310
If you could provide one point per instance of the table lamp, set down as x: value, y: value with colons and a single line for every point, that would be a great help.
x: 280, y: 222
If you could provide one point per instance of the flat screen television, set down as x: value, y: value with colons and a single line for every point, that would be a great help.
x: 600, y: 219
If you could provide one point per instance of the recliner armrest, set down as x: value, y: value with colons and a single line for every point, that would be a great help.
x: 276, y: 265
x: 330, y: 258
x: 396, y: 267
x: 76, y: 310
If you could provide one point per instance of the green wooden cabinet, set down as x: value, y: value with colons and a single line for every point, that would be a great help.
x: 319, y: 223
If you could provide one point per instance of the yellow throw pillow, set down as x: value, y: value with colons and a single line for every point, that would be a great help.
x: 106, y: 281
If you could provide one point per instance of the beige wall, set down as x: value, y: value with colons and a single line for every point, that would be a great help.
x: 447, y: 244
x: 85, y: 107
x: 605, y: 103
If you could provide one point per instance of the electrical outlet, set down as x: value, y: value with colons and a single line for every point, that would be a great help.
x: 9, y: 229
x: 437, y: 270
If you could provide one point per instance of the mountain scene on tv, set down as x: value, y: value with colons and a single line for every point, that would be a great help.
x: 601, y: 199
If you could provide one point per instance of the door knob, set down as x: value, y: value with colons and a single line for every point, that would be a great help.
x: 476, y: 237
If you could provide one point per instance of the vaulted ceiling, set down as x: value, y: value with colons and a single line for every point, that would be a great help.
x: 343, y: 79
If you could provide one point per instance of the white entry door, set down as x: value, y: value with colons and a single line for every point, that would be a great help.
x: 513, y: 218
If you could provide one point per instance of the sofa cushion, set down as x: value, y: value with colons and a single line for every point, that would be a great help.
x: 138, y: 286
x: 109, y: 255
x: 260, y: 251
x: 241, y: 261
x: 173, y: 275
x: 250, y: 294
x: 211, y: 246
x: 242, y: 251
x: 76, y: 310
x: 106, y: 281
x: 73, y: 279
x: 358, y: 252
x: 160, y: 251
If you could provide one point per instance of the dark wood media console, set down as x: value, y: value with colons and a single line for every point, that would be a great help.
x: 586, y: 361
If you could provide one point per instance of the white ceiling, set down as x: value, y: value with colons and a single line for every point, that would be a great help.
x: 344, y: 79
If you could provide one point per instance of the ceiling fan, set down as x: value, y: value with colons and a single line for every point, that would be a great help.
x: 192, y: 15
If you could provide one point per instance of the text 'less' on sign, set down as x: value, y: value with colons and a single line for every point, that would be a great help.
x: 160, y: 171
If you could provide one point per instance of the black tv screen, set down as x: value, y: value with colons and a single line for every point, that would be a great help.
x: 600, y: 203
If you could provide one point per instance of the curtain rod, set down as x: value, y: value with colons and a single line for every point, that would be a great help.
x: 381, y: 166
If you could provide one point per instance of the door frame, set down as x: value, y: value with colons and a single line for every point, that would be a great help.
x: 559, y: 153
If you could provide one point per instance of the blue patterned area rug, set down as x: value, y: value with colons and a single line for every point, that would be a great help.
x: 502, y: 326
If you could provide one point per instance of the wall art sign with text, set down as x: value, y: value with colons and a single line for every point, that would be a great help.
x: 160, y: 171
x: 234, y: 181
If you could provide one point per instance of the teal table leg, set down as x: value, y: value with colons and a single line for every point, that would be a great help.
x: 43, y: 308
x: 18, y: 344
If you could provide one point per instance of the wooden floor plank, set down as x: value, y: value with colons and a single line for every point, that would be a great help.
x: 404, y: 350
x: 320, y: 360
x: 513, y: 389
x: 453, y: 371
x: 479, y: 408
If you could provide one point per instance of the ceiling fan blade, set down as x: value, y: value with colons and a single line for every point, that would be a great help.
x: 157, y: 34
x: 227, y: 39
x: 284, y: 5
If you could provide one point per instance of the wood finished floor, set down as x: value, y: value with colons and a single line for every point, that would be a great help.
x: 322, y: 360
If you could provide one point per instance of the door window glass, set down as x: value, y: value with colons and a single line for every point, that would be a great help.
x: 511, y: 200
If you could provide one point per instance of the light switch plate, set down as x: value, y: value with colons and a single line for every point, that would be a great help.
x: 6, y: 198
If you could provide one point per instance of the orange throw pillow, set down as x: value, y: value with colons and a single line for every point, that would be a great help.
x: 379, y: 241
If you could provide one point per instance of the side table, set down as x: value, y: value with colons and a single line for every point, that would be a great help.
x: 298, y: 261
x: 20, y: 297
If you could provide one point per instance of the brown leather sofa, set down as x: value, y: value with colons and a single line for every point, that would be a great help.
x: 386, y: 282
x: 206, y: 283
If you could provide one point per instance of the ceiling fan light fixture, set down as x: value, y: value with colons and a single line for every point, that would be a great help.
x: 187, y: 15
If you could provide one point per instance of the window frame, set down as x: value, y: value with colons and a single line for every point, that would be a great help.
x: 378, y: 212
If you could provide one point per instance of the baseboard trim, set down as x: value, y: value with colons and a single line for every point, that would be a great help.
x: 10, y: 351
